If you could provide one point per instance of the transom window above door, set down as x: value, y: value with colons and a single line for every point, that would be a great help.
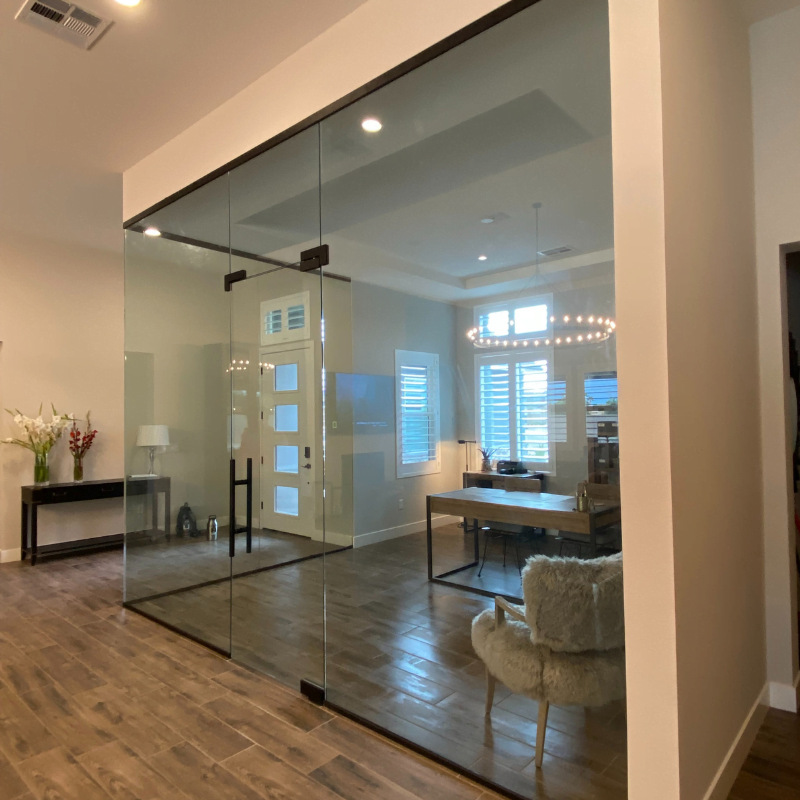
x: 515, y: 319
x: 285, y: 319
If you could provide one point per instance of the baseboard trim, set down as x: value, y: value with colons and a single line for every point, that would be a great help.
x: 729, y: 769
x: 373, y: 537
x: 14, y: 554
x: 785, y: 696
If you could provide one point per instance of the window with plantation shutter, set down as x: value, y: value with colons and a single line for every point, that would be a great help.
x: 285, y: 319
x: 518, y: 407
x: 417, y: 413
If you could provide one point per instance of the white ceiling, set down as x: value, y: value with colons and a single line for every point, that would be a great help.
x: 72, y: 120
x: 756, y: 10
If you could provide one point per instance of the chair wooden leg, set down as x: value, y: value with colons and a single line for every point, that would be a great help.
x: 490, y: 683
x: 541, y: 729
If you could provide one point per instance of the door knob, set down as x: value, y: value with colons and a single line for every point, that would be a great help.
x: 306, y: 466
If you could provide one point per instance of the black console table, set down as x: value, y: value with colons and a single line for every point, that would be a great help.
x: 35, y: 496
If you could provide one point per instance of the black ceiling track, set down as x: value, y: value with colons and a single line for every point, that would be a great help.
x: 434, y: 51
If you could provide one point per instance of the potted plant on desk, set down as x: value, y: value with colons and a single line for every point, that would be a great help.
x: 486, y: 454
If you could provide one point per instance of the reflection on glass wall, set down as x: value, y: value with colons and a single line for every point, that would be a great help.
x: 353, y: 459
x: 177, y: 394
x: 471, y: 204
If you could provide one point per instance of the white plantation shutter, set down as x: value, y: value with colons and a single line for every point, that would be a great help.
x: 601, y: 393
x: 495, y: 409
x: 557, y: 395
x: 533, y: 436
x: 417, y: 412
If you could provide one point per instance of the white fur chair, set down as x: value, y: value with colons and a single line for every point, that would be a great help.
x: 566, y: 645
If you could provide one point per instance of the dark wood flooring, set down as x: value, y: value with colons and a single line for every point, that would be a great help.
x: 97, y: 702
x: 772, y: 768
x: 399, y: 655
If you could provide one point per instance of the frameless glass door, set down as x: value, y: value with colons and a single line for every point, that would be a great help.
x: 276, y: 413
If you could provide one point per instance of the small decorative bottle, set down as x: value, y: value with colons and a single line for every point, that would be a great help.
x: 77, y: 469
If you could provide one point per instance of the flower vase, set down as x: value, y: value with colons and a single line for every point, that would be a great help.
x: 77, y: 469
x: 486, y: 466
x: 41, y: 469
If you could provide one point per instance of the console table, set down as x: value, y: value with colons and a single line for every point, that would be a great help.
x: 53, y: 493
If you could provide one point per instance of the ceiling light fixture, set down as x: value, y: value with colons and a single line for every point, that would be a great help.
x: 151, y: 231
x: 371, y: 125
x: 487, y: 220
x: 567, y: 330
x: 128, y: 2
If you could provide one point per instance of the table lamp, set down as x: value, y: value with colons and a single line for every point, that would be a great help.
x: 152, y: 436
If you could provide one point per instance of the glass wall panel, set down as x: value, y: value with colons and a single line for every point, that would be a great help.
x: 277, y: 389
x: 470, y: 202
x: 177, y: 400
x: 389, y: 439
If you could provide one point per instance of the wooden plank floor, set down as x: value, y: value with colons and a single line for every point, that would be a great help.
x: 97, y: 702
x: 399, y: 654
x: 772, y: 768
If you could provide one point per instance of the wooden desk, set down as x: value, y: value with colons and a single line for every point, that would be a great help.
x: 497, y: 479
x: 53, y: 493
x: 533, y: 509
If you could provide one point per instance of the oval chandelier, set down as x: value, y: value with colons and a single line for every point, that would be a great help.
x: 568, y: 330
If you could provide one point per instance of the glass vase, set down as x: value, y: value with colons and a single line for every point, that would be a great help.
x: 41, y: 469
x: 77, y: 469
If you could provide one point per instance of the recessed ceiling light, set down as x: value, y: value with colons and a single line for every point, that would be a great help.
x: 371, y: 125
x: 128, y: 2
x: 152, y: 232
x: 482, y: 258
x: 487, y: 220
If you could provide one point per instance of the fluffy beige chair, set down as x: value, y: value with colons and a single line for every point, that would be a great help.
x: 566, y: 645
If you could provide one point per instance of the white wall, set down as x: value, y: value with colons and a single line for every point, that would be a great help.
x: 385, y: 321
x: 776, y: 84
x: 688, y: 366
x: 61, y: 318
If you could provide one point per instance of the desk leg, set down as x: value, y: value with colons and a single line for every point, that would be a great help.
x: 167, y: 506
x: 34, y: 532
x: 430, y: 537
x: 477, y: 542
x: 593, y: 540
x: 24, y: 530
x: 154, y: 501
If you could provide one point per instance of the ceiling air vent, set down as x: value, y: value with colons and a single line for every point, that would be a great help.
x: 64, y: 20
x: 556, y: 251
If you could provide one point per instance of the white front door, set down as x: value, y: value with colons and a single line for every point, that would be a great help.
x: 287, y: 440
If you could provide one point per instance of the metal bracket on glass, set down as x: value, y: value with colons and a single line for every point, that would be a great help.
x: 234, y: 277
x: 315, y: 258
x: 314, y: 692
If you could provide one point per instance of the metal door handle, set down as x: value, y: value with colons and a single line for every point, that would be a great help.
x: 248, y: 528
x: 232, y: 511
x: 306, y: 466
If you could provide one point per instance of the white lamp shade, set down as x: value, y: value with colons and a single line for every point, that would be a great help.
x: 152, y: 436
